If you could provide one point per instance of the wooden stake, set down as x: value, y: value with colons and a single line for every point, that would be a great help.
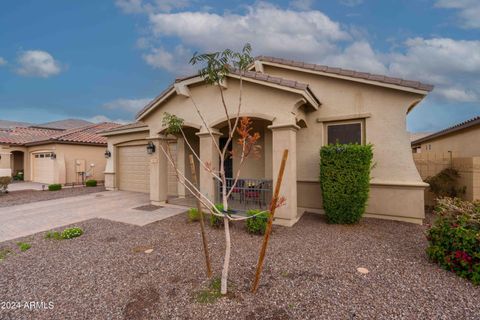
x: 202, y: 220
x: 273, y: 206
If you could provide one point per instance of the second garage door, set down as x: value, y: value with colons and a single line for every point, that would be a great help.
x: 133, y: 169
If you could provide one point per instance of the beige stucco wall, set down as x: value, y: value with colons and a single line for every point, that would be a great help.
x: 462, y: 144
x: 385, y: 128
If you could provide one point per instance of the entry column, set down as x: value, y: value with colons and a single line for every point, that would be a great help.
x: 209, y: 155
x: 285, y: 137
x: 158, y: 172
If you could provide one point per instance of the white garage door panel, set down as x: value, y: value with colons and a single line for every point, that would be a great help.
x: 134, y: 169
x: 43, y: 168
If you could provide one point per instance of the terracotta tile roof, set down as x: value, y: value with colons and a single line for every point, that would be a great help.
x: 29, y: 136
x: 247, y: 74
x: 127, y: 126
x: 459, y: 126
x: 22, y: 135
x: 349, y: 73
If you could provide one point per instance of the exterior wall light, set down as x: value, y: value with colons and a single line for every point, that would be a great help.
x: 108, y: 154
x: 150, y: 148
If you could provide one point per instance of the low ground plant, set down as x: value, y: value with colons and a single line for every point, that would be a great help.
x: 53, y: 235
x: 257, y: 224
x: 55, y: 187
x: 193, y: 215
x: 91, y: 183
x: 454, y: 237
x: 216, y: 221
x: 211, y: 294
x: 4, y: 182
x: 445, y: 184
x: 70, y: 233
x: 4, y: 252
x: 24, y: 246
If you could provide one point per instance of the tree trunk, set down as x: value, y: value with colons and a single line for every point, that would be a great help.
x: 226, y: 262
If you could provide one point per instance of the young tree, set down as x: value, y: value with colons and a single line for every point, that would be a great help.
x: 216, y: 67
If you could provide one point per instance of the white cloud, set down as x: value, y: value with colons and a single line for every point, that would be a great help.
x: 175, y: 62
x: 351, y: 3
x: 2, y: 61
x: 270, y: 30
x: 152, y: 6
x: 468, y: 11
x: 102, y: 118
x: 358, y: 56
x: 129, y: 105
x: 37, y: 63
x: 301, y: 4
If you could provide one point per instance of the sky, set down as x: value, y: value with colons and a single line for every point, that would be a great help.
x: 104, y: 60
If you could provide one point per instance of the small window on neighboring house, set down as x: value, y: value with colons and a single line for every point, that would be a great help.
x: 344, y: 133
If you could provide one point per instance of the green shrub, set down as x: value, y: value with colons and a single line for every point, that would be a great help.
x: 216, y: 221
x: 454, y: 238
x: 257, y: 224
x: 70, y: 233
x: 193, y: 215
x: 91, y: 183
x: 55, y: 187
x: 53, y: 235
x: 4, y: 182
x: 444, y: 184
x: 345, y: 181
x: 24, y: 246
x: 4, y: 252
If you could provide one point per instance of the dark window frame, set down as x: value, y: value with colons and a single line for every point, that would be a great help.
x: 359, y: 122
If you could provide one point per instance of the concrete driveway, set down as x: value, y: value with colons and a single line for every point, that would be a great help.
x: 26, y: 219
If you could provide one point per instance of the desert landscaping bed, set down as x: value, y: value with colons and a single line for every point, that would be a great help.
x: 27, y: 196
x: 311, y: 273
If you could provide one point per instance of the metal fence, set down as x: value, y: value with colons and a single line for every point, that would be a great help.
x: 247, y: 193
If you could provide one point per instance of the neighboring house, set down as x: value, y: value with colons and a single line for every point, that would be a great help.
x: 457, y: 146
x: 295, y: 106
x: 49, y: 155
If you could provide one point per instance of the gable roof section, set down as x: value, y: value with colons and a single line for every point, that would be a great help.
x: 36, y: 136
x: 459, y: 126
x: 251, y: 76
x: 127, y: 128
x: 345, y: 73
x: 22, y: 135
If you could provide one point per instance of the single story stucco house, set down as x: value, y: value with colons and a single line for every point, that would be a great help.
x: 54, y: 155
x: 296, y: 106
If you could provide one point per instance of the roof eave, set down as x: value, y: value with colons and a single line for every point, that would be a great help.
x: 124, y: 131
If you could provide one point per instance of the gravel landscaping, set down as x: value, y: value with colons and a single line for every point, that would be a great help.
x: 27, y: 196
x: 310, y: 273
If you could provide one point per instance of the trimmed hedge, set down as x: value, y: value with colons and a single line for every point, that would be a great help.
x: 91, y: 183
x: 345, y: 181
x: 55, y: 187
x: 454, y: 238
x: 257, y: 224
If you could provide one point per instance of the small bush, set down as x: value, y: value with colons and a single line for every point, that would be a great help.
x: 70, y: 233
x: 4, y: 252
x: 345, y: 181
x: 53, y: 235
x: 55, y: 187
x: 454, y: 238
x: 193, y: 215
x: 4, y: 182
x: 23, y: 246
x: 257, y: 224
x: 216, y: 221
x: 211, y: 294
x: 91, y: 183
x: 444, y: 184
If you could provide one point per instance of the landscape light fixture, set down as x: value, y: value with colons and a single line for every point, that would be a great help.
x: 150, y: 148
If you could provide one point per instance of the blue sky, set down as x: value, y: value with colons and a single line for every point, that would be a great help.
x: 102, y: 60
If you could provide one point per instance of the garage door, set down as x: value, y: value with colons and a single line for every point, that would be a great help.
x: 133, y: 169
x: 43, y: 168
